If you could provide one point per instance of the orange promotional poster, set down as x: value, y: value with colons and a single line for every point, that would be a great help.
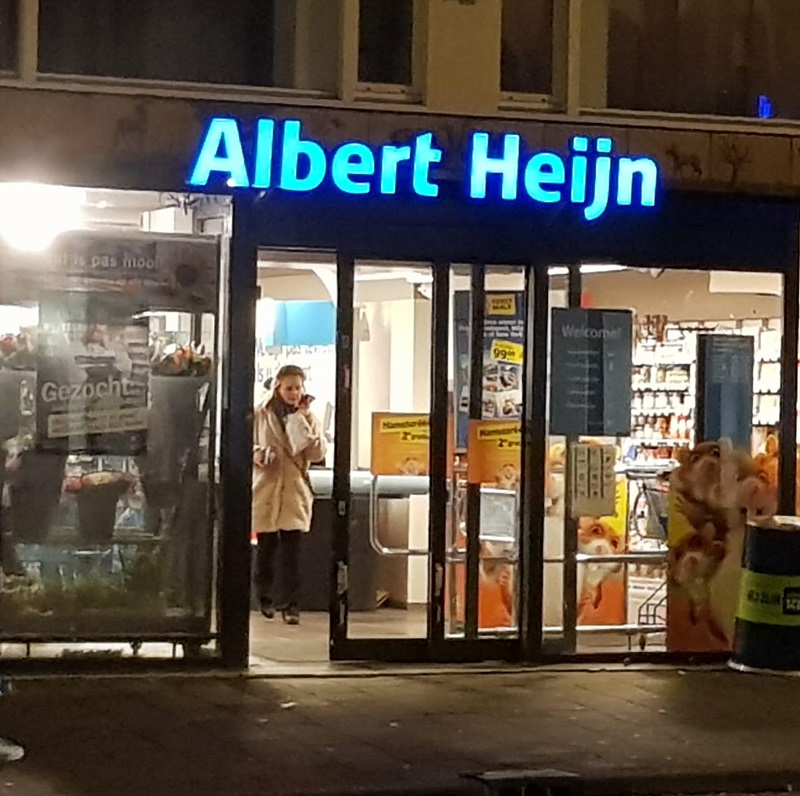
x: 493, y: 453
x: 601, y: 586
x: 400, y: 444
x: 493, y: 460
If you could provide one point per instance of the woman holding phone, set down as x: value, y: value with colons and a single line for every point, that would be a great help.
x: 287, y: 440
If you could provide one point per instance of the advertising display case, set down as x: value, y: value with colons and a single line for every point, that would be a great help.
x: 107, y: 422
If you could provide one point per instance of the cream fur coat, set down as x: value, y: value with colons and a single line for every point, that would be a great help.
x: 282, y: 496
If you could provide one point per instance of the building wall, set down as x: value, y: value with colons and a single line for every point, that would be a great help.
x: 135, y: 133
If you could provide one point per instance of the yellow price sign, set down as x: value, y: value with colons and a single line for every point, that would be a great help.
x: 504, y: 351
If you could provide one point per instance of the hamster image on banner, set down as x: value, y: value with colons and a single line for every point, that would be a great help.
x: 716, y: 490
x: 597, y: 538
x: 508, y: 477
x: 693, y: 562
x: 411, y: 466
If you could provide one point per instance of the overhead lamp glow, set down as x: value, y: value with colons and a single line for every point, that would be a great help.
x: 587, y: 268
x: 32, y: 215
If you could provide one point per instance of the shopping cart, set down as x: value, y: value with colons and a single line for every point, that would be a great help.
x: 652, y: 614
x: 648, y: 528
x: 656, y: 495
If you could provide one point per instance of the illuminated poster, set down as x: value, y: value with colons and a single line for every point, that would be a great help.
x: 712, y: 491
x: 494, y: 453
x: 400, y: 444
x: 93, y: 372
x: 503, y: 354
x: 148, y: 271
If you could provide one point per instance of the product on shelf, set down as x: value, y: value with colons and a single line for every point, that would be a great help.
x: 664, y: 359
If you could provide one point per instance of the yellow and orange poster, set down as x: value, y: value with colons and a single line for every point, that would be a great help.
x: 601, y: 585
x: 493, y: 453
x: 400, y: 444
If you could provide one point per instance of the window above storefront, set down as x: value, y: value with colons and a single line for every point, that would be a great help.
x: 526, y: 57
x: 9, y: 27
x: 385, y: 39
x: 718, y: 57
x: 257, y: 43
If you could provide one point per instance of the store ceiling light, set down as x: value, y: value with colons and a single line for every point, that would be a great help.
x: 402, y: 274
x: 32, y: 215
x: 587, y: 268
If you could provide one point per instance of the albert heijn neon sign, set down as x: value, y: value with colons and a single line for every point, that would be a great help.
x: 498, y: 167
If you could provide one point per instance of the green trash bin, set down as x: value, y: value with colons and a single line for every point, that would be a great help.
x: 767, y: 637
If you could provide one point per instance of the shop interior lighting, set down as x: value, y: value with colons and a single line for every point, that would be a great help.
x: 32, y: 215
x: 587, y: 268
x: 404, y: 274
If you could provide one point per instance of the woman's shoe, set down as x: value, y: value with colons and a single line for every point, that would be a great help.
x: 267, y: 609
x: 291, y: 616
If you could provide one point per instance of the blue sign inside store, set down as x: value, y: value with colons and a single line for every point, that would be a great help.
x: 498, y: 167
x: 725, y: 388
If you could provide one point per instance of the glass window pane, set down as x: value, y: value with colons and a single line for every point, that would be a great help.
x: 389, y: 529
x: 632, y: 604
x: 725, y: 57
x: 487, y: 450
x: 8, y: 35
x: 254, y: 43
x: 295, y: 326
x: 385, y: 31
x: 107, y: 385
x: 527, y: 46
x: 554, y: 518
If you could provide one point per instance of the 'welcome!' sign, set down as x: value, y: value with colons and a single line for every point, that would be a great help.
x: 277, y: 155
x: 590, y: 381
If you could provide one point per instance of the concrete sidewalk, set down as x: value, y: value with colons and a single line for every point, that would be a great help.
x: 624, y: 730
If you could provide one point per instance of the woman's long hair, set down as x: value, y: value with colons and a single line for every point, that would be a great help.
x: 276, y: 404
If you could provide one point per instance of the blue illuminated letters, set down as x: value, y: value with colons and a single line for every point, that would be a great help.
x: 584, y: 178
x: 221, y: 153
x: 499, y: 167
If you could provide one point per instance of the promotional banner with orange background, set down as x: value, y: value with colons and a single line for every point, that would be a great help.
x: 400, y: 444
x: 493, y: 453
x: 493, y: 459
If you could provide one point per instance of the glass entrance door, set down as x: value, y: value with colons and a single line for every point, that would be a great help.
x: 382, y: 606
x: 430, y: 462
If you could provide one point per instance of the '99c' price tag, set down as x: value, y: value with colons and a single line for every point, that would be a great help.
x: 504, y: 351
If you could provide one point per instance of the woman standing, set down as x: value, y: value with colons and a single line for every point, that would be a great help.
x: 287, y: 439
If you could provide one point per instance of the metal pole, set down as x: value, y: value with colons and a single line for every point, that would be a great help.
x: 477, y: 312
x: 236, y: 431
x: 439, y: 465
x: 343, y: 430
x: 570, y: 579
x: 787, y: 423
x: 534, y: 451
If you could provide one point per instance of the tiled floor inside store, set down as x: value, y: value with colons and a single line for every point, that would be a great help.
x: 277, y: 643
x: 272, y: 640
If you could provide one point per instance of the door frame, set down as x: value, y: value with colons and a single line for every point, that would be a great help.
x: 436, y: 647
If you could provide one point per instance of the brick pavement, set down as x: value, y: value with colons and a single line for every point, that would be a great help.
x: 238, y: 736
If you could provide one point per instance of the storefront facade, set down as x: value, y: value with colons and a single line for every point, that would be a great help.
x: 427, y: 220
